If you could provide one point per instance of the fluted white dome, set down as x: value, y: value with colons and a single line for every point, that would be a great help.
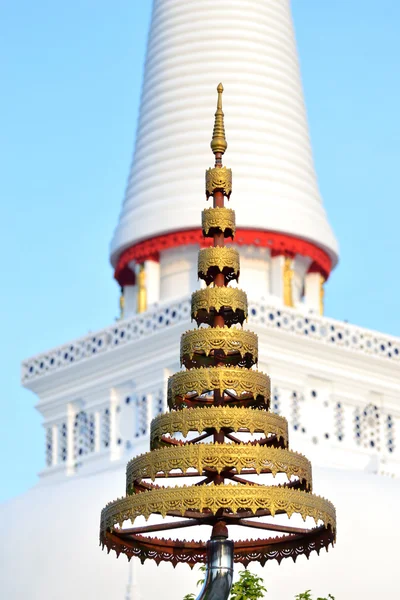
x: 250, y: 47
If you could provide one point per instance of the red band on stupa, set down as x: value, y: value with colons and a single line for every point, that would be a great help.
x: 278, y: 243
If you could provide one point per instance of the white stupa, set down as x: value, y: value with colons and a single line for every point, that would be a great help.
x: 97, y: 394
x: 254, y: 52
x: 269, y: 146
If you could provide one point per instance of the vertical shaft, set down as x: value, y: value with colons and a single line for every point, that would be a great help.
x: 219, y: 281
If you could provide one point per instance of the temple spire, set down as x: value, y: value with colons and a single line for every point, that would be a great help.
x: 218, y: 142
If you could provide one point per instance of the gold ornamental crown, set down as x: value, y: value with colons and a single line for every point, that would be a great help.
x: 219, y: 435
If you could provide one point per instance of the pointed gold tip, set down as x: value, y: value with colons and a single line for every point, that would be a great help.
x: 218, y: 142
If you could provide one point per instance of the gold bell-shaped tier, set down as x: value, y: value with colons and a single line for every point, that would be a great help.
x: 219, y: 434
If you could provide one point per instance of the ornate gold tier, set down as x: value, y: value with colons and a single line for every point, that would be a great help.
x: 235, y: 458
x: 214, y: 260
x: 219, y: 179
x: 216, y: 418
x: 218, y: 219
x: 275, y: 500
x: 232, y: 346
x: 231, y: 303
x: 250, y: 388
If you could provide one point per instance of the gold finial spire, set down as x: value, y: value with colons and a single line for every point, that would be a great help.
x: 218, y: 142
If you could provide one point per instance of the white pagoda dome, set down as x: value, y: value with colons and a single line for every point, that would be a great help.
x: 336, y: 384
x: 251, y: 48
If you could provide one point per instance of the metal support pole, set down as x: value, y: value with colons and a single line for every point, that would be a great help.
x: 219, y: 574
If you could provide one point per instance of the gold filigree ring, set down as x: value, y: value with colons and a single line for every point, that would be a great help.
x: 225, y: 379
x: 233, y: 346
x: 218, y: 219
x: 216, y: 259
x: 212, y: 497
x: 231, y: 303
x: 218, y: 417
x: 218, y: 457
x: 219, y: 179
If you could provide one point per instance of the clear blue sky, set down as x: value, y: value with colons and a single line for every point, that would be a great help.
x: 71, y: 75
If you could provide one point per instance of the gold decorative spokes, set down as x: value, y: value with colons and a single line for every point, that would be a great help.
x: 241, y: 386
x: 232, y: 498
x: 218, y: 219
x: 231, y: 303
x: 232, y: 346
x: 218, y: 418
x: 218, y: 259
x: 204, y: 458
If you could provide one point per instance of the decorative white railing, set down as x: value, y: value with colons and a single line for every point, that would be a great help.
x: 322, y: 329
x: 325, y: 330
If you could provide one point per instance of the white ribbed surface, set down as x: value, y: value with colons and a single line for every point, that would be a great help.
x: 250, y: 47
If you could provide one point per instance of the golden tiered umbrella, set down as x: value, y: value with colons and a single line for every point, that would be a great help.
x: 219, y: 429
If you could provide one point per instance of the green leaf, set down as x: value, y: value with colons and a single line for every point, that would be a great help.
x: 307, y: 596
x: 203, y: 569
x: 304, y: 595
x: 249, y: 587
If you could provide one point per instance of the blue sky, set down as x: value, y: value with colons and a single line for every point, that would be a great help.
x: 71, y: 76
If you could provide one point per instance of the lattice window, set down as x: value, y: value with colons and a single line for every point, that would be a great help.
x: 371, y: 419
x: 390, y: 434
x: 339, y: 421
x: 63, y: 442
x: 81, y: 435
x: 141, y: 416
x: 49, y: 447
x: 106, y: 428
x: 357, y: 426
x: 119, y: 439
x: 296, y: 399
x: 128, y: 421
x: 92, y: 433
x: 159, y: 402
x: 367, y: 426
x: 276, y: 401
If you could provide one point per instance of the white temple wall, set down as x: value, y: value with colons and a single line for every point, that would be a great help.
x: 152, y: 269
x: 255, y: 264
x: 339, y: 418
x: 312, y: 292
x: 178, y: 271
x: 300, y: 268
x: 260, y: 275
x: 130, y: 298
x: 277, y: 263
x: 336, y: 384
x: 107, y: 421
